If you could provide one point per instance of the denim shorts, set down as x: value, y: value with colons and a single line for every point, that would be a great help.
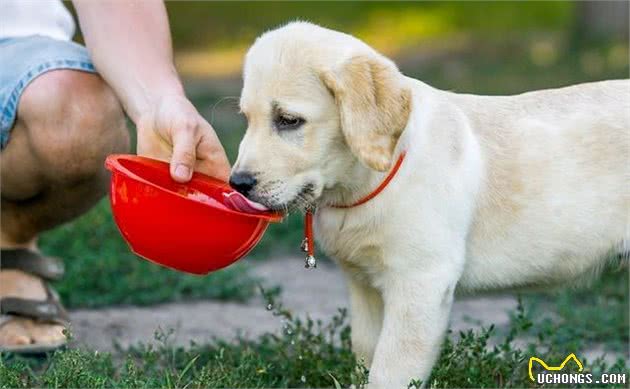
x: 24, y: 59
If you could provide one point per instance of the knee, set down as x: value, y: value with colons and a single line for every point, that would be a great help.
x: 74, y: 121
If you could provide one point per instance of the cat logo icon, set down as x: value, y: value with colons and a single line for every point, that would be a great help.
x: 554, y: 368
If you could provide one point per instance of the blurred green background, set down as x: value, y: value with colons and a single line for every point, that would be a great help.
x: 472, y: 47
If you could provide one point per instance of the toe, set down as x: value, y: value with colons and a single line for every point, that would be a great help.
x: 13, y: 333
x: 21, y: 331
x: 47, y: 333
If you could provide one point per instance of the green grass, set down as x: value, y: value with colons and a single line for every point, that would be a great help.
x: 596, y: 314
x: 304, y: 353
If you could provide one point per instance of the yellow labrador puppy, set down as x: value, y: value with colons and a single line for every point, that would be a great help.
x: 494, y: 191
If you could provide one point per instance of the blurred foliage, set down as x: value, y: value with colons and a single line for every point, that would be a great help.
x: 211, y: 37
x: 224, y: 24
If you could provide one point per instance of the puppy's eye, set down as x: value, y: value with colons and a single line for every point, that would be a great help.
x: 287, y: 122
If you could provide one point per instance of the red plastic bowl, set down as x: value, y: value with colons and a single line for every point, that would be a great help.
x: 185, y: 227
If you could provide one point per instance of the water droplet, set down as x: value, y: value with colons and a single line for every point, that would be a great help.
x: 300, y: 357
x: 289, y: 332
x: 303, y: 379
x: 292, y: 342
x: 269, y: 307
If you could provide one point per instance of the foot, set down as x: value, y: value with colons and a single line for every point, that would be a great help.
x: 19, y: 331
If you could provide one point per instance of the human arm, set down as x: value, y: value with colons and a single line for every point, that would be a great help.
x: 130, y: 45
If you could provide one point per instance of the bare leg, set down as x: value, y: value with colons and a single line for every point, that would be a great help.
x: 52, y: 171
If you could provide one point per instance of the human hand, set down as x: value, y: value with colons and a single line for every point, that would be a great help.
x: 171, y: 129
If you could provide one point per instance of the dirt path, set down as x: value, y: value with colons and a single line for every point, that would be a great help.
x: 318, y: 293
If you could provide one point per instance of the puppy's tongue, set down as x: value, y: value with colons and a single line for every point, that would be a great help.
x: 241, y: 203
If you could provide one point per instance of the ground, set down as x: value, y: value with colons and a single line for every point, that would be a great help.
x: 318, y: 293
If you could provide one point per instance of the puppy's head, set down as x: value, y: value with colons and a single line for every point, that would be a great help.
x: 316, y: 101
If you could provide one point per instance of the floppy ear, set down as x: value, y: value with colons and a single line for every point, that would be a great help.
x: 373, y: 107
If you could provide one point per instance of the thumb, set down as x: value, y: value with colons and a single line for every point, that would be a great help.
x: 184, y: 155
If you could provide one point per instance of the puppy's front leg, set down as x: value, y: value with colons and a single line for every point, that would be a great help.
x: 366, y: 315
x: 417, y: 304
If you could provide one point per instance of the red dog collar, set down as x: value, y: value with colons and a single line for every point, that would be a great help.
x: 308, y: 244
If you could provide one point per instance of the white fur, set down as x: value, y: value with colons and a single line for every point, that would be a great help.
x: 495, y: 192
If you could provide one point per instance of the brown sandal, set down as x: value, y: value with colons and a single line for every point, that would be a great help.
x: 44, y: 311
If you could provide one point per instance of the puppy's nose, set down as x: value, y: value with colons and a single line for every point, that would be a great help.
x: 243, y: 182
